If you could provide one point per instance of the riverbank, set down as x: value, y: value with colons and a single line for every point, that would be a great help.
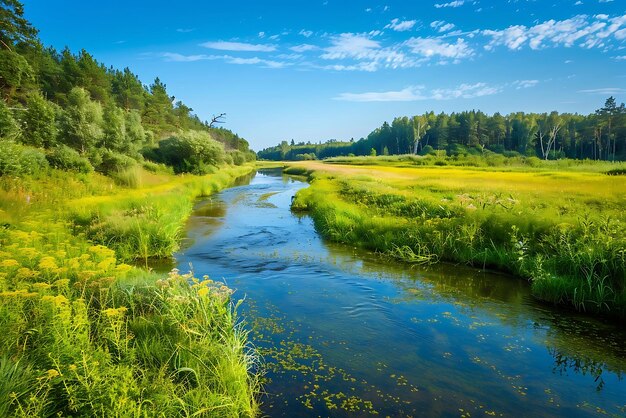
x: 562, y: 228
x: 85, y: 333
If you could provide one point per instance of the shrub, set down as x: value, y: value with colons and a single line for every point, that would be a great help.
x: 239, y: 158
x: 63, y: 157
x: 113, y: 162
x: 17, y: 159
x: 191, y: 151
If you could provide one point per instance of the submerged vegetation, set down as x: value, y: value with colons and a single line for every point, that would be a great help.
x: 562, y: 227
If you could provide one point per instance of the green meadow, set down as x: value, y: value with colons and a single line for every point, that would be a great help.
x: 559, y: 224
x: 83, y: 332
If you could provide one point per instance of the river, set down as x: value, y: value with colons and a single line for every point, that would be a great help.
x: 343, y: 332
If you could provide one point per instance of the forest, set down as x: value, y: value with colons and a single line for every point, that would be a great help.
x: 69, y: 111
x: 598, y: 136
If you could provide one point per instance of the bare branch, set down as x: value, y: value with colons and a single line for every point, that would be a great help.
x: 216, y: 119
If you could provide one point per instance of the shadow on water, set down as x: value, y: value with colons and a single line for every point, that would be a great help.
x: 343, y: 332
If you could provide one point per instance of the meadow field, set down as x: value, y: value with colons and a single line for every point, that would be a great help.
x: 559, y: 224
x: 85, y: 332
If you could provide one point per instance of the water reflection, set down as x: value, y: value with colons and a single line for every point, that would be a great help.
x: 344, y: 333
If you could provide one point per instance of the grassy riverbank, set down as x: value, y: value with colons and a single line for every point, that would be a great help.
x: 560, y: 224
x: 82, y: 333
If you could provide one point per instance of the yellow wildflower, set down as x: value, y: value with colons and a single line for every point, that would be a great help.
x: 113, y: 312
x: 48, y: 263
x: 51, y: 374
x: 9, y: 263
x: 203, y: 291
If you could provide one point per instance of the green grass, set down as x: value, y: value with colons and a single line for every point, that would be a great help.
x: 565, y: 230
x: 82, y: 334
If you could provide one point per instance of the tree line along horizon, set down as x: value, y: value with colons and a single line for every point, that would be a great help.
x: 69, y: 111
x: 598, y: 136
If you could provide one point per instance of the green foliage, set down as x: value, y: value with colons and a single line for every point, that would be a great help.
x: 81, y: 123
x: 14, y: 72
x: 63, y: 157
x: 39, y: 121
x: 9, y: 128
x: 16, y: 159
x: 112, y: 162
x: 114, y: 129
x: 191, y: 151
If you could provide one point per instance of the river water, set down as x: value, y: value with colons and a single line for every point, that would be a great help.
x: 343, y: 332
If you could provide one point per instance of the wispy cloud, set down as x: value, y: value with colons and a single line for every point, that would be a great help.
x: 456, y: 3
x: 238, y: 46
x: 306, y: 33
x: 408, y: 94
x: 415, y: 93
x: 401, y: 25
x: 303, y: 48
x: 524, y: 84
x: 175, y: 57
x: 606, y: 91
x: 465, y: 91
x: 429, y: 47
x: 582, y: 30
x: 442, y: 26
x: 184, y: 30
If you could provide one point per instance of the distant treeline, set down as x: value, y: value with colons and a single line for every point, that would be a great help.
x: 599, y: 136
x: 71, y: 111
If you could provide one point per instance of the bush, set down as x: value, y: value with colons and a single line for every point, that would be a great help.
x: 65, y: 158
x: 239, y: 158
x: 191, y: 152
x: 427, y: 150
x: 113, y: 163
x: 17, y: 159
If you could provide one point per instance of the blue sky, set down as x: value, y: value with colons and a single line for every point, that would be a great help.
x: 322, y: 69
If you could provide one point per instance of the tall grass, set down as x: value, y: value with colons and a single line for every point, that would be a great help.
x: 82, y: 334
x: 564, y: 230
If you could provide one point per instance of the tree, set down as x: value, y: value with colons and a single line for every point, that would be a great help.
x: 128, y: 90
x: 135, y: 134
x: 14, y: 72
x: 607, y: 115
x: 39, y: 121
x: 9, y: 128
x: 114, y: 129
x: 420, y: 125
x: 81, y: 124
x: 14, y: 28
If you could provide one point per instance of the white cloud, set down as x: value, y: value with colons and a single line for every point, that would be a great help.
x: 175, y: 57
x: 401, y: 26
x: 578, y: 3
x: 408, y: 94
x: 415, y: 93
x: 261, y: 34
x: 303, y: 48
x: 429, y: 47
x: 605, y: 1
x: 350, y: 45
x: 456, y: 3
x: 606, y: 91
x: 305, y: 33
x: 524, y: 84
x: 465, y: 91
x: 442, y: 26
x: 369, y: 9
x: 183, y: 30
x: 238, y: 46
x: 579, y: 30
x: 620, y: 58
